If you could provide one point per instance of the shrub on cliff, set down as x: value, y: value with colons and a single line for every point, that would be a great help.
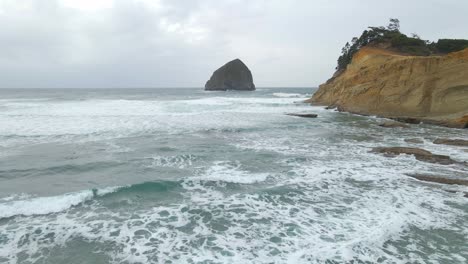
x: 451, y: 45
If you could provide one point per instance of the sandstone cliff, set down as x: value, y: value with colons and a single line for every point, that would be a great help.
x: 433, y: 89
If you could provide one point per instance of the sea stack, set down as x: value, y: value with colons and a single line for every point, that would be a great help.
x: 234, y: 75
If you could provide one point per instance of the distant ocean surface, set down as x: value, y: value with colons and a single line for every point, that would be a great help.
x: 187, y: 176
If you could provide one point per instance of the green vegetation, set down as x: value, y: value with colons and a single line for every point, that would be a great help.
x: 451, y: 45
x: 391, y: 38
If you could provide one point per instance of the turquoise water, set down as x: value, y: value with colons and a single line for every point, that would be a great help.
x: 187, y: 176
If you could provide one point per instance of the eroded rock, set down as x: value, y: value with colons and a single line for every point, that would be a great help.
x: 407, y: 120
x: 419, y: 154
x: 439, y: 179
x: 414, y: 140
x: 451, y: 142
x: 390, y: 124
x: 303, y: 115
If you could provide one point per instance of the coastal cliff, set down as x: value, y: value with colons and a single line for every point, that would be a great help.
x: 431, y: 89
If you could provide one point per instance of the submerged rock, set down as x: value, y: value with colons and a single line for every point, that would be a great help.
x: 414, y: 140
x: 451, y: 142
x: 395, y: 151
x: 234, y: 75
x: 303, y: 115
x: 419, y: 154
x: 393, y: 125
x: 438, y: 179
x: 408, y: 120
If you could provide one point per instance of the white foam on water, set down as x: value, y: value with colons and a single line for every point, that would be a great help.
x: 43, y: 205
x: 225, y: 171
x: 127, y: 117
x: 210, y: 101
x: 26, y: 205
x: 14, y: 197
x: 288, y: 95
x: 330, y: 209
x: 334, y: 201
x: 238, y: 101
x: 313, y: 221
x: 178, y: 161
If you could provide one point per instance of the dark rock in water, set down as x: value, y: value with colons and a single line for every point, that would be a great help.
x: 340, y: 109
x: 393, y: 125
x: 419, y: 154
x: 441, y: 180
x: 465, y: 194
x: 438, y: 179
x: 451, y: 142
x: 303, y: 115
x: 234, y: 75
x: 395, y: 151
x: 408, y: 120
x: 414, y: 140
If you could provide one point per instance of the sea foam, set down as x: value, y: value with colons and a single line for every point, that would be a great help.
x: 26, y: 205
x: 288, y: 95
x: 230, y: 172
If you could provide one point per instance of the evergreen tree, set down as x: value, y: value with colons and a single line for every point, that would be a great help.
x: 394, y: 25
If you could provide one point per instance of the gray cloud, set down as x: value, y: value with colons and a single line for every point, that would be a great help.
x: 144, y: 43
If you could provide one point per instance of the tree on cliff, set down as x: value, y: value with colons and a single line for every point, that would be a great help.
x: 394, y: 25
x: 389, y: 37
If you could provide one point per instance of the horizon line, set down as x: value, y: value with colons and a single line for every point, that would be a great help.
x: 159, y: 87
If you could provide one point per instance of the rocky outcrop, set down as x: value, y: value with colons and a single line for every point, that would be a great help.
x: 451, y: 142
x: 303, y: 115
x: 393, y: 125
x: 419, y: 154
x: 414, y: 140
x: 439, y: 179
x: 431, y: 89
x: 234, y: 75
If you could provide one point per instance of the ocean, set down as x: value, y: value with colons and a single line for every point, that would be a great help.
x: 188, y: 176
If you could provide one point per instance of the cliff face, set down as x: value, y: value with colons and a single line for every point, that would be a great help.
x: 433, y: 89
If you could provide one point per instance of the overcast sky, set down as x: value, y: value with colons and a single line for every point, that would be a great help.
x: 171, y: 43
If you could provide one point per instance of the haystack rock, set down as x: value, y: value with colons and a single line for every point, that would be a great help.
x: 430, y: 89
x: 234, y: 75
